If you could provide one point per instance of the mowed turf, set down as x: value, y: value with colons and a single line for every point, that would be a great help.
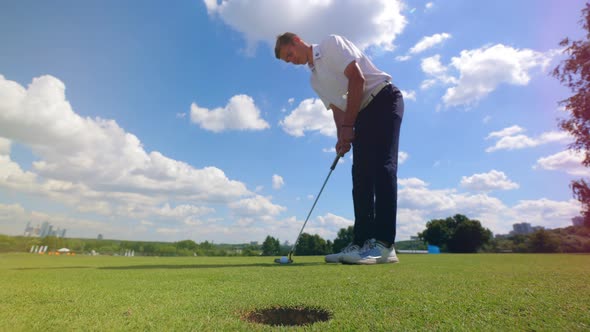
x: 489, y: 292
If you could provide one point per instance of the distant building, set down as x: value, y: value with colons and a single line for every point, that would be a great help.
x: 44, y: 230
x: 521, y: 229
x: 29, y: 230
x: 99, y: 237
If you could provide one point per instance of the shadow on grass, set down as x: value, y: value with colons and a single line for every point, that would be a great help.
x: 169, y: 266
x: 51, y: 268
x: 205, y: 266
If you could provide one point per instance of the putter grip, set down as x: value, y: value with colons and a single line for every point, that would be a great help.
x: 335, y: 161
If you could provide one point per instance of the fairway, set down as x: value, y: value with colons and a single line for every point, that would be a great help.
x: 424, y: 292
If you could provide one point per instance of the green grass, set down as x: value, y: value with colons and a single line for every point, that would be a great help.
x: 424, y: 292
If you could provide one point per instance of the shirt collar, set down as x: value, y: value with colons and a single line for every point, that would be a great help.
x: 315, y: 50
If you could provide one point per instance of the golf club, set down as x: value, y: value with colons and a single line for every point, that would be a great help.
x: 289, y: 260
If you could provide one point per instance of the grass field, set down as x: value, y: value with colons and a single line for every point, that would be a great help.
x: 492, y: 292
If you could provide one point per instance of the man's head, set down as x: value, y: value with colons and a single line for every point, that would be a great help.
x: 290, y: 48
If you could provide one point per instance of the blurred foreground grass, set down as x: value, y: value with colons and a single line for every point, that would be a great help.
x: 423, y: 292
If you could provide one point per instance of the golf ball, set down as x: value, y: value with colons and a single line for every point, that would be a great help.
x: 284, y: 260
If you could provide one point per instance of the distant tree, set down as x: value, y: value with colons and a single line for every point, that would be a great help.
x: 166, y: 250
x: 468, y: 236
x: 311, y: 245
x: 345, y: 236
x: 7, y: 243
x: 456, y: 234
x: 438, y: 232
x: 543, y: 241
x: 187, y: 245
x: 271, y: 246
x: 574, y: 72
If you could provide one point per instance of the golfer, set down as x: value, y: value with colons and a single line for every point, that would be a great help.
x: 368, y: 112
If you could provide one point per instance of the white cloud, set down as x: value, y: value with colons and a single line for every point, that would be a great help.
x: 436, y: 72
x: 313, y: 20
x: 5, y: 146
x: 257, y: 206
x: 547, y: 213
x: 493, y: 180
x: 409, y: 95
x: 418, y: 204
x: 429, y: 5
x: 402, y: 58
x: 240, y: 113
x: 482, y: 70
x: 310, y: 115
x: 568, y: 161
x: 429, y: 42
x: 402, y: 157
x: 12, y: 218
x: 183, y: 211
x: 510, y: 131
x: 412, y: 183
x: 509, y: 140
x: 167, y: 231
x: 94, y: 165
x: 327, y: 226
x: 277, y: 181
x: 13, y: 177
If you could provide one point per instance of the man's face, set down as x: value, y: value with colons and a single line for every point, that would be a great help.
x: 290, y: 54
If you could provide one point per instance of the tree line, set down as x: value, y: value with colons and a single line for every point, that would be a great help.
x: 456, y: 234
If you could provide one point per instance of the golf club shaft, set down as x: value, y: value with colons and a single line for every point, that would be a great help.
x: 314, y: 203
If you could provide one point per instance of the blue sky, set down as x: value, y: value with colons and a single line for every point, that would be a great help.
x: 146, y: 120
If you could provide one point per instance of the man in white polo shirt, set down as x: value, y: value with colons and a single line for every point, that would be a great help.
x: 368, y: 112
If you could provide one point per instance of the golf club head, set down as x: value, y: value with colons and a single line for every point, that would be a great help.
x: 283, y: 260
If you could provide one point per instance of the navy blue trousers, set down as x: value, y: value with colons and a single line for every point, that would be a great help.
x: 374, y: 170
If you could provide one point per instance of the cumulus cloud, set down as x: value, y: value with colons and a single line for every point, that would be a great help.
x: 327, y: 226
x: 240, y: 113
x: 96, y: 166
x: 511, y: 139
x: 402, y: 157
x: 412, y: 183
x: 436, y: 72
x: 476, y: 73
x: 4, y: 146
x: 493, y: 180
x: 257, y: 205
x: 277, y: 181
x: 482, y: 70
x: 546, y: 212
x: 424, y: 44
x: 310, y: 115
x: 510, y: 131
x: 417, y: 204
x: 429, y: 42
x: 261, y: 21
x: 569, y: 161
x: 409, y: 95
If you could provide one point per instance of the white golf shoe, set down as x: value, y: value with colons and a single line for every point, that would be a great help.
x: 372, y: 252
x: 337, y: 257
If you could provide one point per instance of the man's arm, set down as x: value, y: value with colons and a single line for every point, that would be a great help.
x: 356, y: 87
x: 345, y: 120
x: 342, y: 147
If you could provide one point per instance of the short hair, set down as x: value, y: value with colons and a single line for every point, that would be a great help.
x: 282, y: 40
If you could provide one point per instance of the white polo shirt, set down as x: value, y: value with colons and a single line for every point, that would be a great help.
x: 330, y: 58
